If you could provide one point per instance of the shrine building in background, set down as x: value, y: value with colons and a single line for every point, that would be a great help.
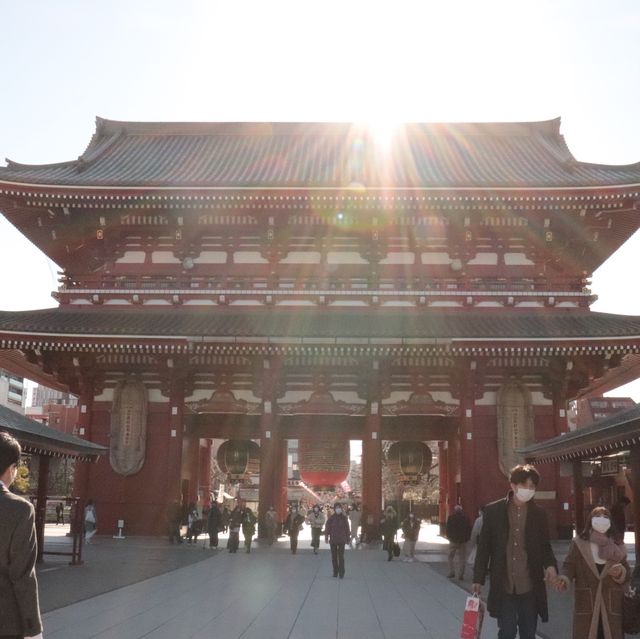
x: 267, y: 282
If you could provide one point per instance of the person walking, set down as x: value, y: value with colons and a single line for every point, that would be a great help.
x: 59, y: 513
x: 472, y: 546
x: 316, y: 519
x: 292, y: 526
x: 214, y: 523
x: 514, y: 550
x: 355, y: 516
x: 90, y: 518
x: 458, y: 534
x: 618, y: 518
x: 411, y: 530
x: 226, y: 516
x: 389, y: 529
x: 174, y: 521
x: 597, y: 564
x: 271, y: 524
x: 337, y: 534
x: 193, y: 524
x: 248, y: 527
x: 19, y: 607
x: 235, y: 523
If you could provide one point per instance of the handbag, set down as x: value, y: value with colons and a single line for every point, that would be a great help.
x: 396, y: 549
x: 472, y: 619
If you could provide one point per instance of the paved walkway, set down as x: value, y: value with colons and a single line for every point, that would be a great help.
x: 143, y: 587
x: 266, y: 594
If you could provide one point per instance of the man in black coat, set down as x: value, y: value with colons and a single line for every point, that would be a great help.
x: 19, y: 608
x: 514, y: 550
x: 458, y: 534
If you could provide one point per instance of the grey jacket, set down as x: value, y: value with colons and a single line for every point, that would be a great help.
x: 19, y: 607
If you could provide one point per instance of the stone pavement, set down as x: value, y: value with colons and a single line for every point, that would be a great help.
x: 269, y: 593
x: 144, y: 587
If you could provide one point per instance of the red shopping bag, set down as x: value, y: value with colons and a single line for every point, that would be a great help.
x: 472, y: 620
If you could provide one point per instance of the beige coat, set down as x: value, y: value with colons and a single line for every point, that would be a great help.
x: 594, y: 592
x: 19, y: 609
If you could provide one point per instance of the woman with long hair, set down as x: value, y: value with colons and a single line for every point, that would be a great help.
x: 598, y: 567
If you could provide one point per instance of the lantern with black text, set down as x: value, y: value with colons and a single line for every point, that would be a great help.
x: 324, y: 464
x: 239, y: 458
x: 409, y: 461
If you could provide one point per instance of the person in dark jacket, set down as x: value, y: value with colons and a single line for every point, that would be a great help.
x: 458, y: 534
x: 174, y: 520
x: 19, y: 607
x: 337, y: 533
x: 235, y: 523
x: 389, y: 529
x: 214, y: 524
x: 410, y: 530
x: 248, y: 527
x: 515, y: 552
x: 618, y: 519
x: 292, y: 526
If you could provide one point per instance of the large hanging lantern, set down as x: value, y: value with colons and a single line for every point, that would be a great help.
x: 324, y: 464
x: 239, y: 458
x: 408, y: 461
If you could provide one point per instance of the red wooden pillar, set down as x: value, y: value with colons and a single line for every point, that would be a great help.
x: 82, y: 475
x: 564, y: 498
x: 41, y: 502
x: 271, y: 444
x: 205, y: 472
x: 372, y: 458
x: 467, y: 451
x: 175, y: 441
x: 452, y: 474
x: 578, y: 495
x: 442, y: 479
x: 193, y: 461
x: 634, y: 460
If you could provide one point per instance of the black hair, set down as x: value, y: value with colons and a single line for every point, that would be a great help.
x: 10, y: 451
x: 598, y: 511
x: 522, y: 472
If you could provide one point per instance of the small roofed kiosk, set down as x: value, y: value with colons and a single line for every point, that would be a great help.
x: 46, y: 443
x: 276, y: 281
x: 605, y: 438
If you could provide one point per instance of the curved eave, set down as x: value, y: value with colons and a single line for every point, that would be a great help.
x: 616, y: 433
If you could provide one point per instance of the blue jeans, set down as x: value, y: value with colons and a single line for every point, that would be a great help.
x: 518, y: 612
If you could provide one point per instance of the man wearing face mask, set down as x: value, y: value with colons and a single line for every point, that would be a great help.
x: 337, y: 533
x: 292, y: 526
x: 514, y: 550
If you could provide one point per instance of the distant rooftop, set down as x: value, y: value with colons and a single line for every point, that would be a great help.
x: 324, y: 155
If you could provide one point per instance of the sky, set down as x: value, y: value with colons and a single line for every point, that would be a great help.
x: 66, y: 62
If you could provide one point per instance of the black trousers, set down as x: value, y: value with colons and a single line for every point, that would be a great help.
x: 315, y: 537
x: 337, y: 559
x: 518, y: 612
x: 213, y: 538
x: 293, y: 540
x: 234, y: 541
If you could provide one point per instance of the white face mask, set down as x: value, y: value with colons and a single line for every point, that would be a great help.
x: 525, y: 494
x: 600, y: 524
x: 338, y: 511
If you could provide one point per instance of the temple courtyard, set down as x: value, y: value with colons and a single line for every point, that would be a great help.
x: 144, y: 587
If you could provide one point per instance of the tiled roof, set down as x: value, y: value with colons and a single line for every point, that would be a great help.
x: 617, y: 432
x: 37, y: 438
x: 306, y: 323
x: 324, y: 155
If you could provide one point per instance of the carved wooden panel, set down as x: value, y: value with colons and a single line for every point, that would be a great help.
x: 515, y: 423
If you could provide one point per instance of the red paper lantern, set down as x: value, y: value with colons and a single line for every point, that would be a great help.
x: 408, y: 461
x: 239, y: 458
x: 324, y: 464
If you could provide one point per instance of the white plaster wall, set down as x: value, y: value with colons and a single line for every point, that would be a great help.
x: 345, y: 257
x: 164, y: 257
x: 246, y: 303
x: 81, y: 302
x: 489, y: 259
x: 301, y: 257
x: 105, y: 396
x: 211, y: 257
x: 435, y: 258
x: 490, y: 304
x: 117, y: 302
x: 156, y: 303
x: 292, y: 397
x: 517, y: 259
x: 348, y: 396
x: 529, y: 304
x: 249, y: 257
x: 131, y: 257
x: 446, y: 303
x: 200, y: 302
x: 348, y: 303
x: 399, y: 303
x: 155, y: 395
x: 295, y: 303
x: 399, y: 257
x: 489, y: 398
